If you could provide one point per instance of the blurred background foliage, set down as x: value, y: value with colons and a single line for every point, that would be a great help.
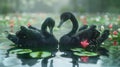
x: 54, y: 6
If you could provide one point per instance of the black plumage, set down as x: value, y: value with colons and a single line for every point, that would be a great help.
x: 83, y: 27
x: 31, y: 27
x: 95, y: 45
x: 37, y: 39
x: 87, y: 34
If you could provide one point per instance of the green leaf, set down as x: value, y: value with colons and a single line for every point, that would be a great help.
x: 40, y: 54
x: 35, y: 54
x: 78, y: 49
x: 20, y: 51
x: 85, y: 53
x: 46, y: 54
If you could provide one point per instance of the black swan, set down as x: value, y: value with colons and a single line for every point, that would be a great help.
x: 82, y: 34
x: 67, y: 41
x: 73, y: 38
x: 67, y: 38
x: 37, y: 40
x: 32, y: 38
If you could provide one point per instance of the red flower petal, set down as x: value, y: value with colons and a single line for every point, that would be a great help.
x: 84, y: 58
x: 84, y: 43
x: 115, y: 43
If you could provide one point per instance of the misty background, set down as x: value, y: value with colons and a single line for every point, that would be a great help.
x: 56, y: 6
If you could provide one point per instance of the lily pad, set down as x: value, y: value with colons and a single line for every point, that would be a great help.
x: 35, y: 54
x: 20, y: 51
x: 85, y: 53
x: 78, y: 49
x: 40, y: 54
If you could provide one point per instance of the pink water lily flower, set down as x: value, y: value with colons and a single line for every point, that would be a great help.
x: 84, y: 43
x: 115, y: 32
x: 110, y: 26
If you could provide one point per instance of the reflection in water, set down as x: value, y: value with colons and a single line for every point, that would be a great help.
x: 28, y: 58
x: 58, y: 61
x: 29, y: 62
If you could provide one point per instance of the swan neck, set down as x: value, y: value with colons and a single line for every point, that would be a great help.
x: 75, y: 25
x: 44, y: 30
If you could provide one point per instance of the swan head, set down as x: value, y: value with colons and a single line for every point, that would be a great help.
x: 64, y: 17
x: 50, y: 23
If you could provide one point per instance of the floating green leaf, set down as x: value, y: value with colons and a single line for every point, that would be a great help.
x: 40, y: 54
x: 85, y: 53
x: 35, y: 54
x: 45, y: 54
x: 78, y: 49
x: 20, y: 51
